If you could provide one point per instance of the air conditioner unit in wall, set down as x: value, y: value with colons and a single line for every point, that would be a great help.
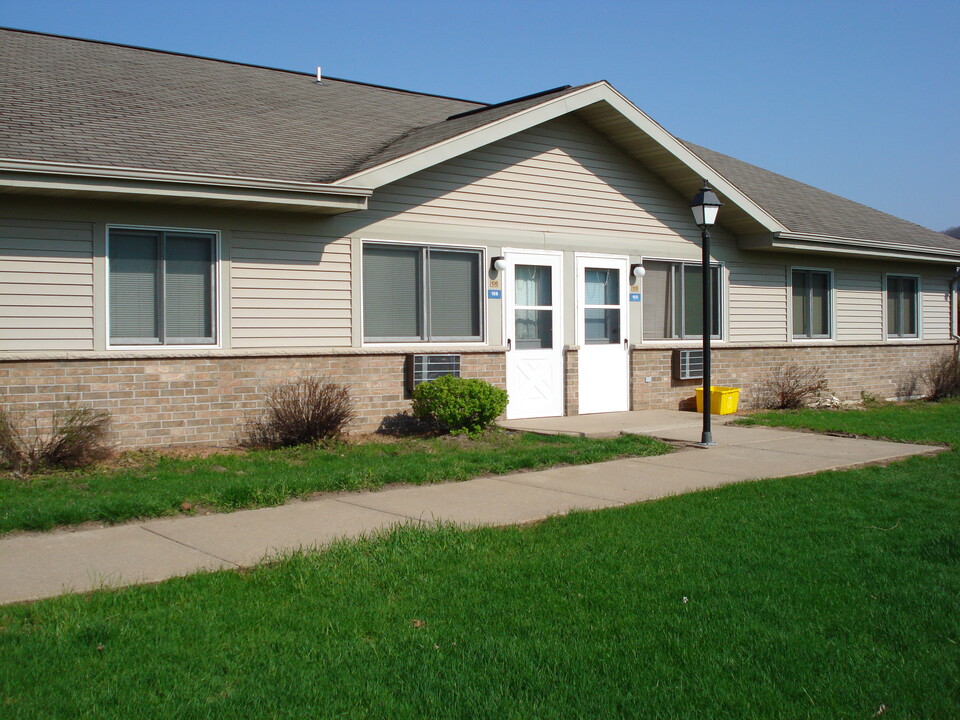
x: 688, y: 364
x: 421, y: 368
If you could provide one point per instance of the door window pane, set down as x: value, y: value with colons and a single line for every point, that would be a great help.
x: 534, y: 329
x: 534, y: 285
x: 392, y: 292
x: 602, y: 326
x: 602, y: 286
x: 454, y: 294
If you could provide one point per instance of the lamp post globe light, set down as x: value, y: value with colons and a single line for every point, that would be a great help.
x: 705, y: 206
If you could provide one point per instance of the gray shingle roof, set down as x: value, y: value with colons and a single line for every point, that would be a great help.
x: 805, y: 209
x: 78, y: 101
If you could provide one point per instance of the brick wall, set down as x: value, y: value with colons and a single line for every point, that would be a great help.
x: 571, y: 381
x: 170, y: 401
x: 886, y: 371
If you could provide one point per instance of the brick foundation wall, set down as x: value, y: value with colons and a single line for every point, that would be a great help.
x: 206, y: 400
x: 887, y: 371
x: 571, y: 381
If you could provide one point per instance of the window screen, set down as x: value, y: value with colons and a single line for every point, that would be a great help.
x: 811, y: 303
x: 673, y: 301
x: 161, y: 287
x: 902, y: 293
x: 415, y: 294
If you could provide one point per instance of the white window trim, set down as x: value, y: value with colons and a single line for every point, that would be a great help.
x: 832, y: 314
x: 215, y: 290
x: 883, y: 301
x: 722, y: 296
x: 427, y: 345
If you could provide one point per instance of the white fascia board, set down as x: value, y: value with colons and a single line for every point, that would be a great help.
x: 525, y: 119
x: 71, y: 178
x: 863, y: 248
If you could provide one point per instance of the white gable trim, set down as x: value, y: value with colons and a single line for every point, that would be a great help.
x: 548, y: 110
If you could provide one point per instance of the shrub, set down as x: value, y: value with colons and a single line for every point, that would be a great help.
x: 459, y: 405
x: 77, y: 436
x: 942, y: 377
x: 789, y: 387
x: 302, y: 412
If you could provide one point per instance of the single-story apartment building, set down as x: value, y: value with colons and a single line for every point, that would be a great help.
x: 180, y: 234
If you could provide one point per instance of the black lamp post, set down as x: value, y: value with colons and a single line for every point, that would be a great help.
x: 705, y: 206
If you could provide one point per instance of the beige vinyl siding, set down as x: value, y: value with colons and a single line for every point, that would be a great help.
x: 858, y: 301
x: 289, y: 291
x: 560, y: 176
x: 935, y: 305
x: 46, y: 286
x: 757, y: 299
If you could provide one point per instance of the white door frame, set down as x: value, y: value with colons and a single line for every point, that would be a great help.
x: 603, y: 369
x: 535, y: 381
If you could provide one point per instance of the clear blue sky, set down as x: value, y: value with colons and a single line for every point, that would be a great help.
x: 859, y: 98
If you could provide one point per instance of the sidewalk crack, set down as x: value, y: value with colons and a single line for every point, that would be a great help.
x: 186, y: 545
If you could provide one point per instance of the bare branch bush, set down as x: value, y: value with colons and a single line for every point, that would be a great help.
x: 78, y: 436
x: 941, y: 377
x: 301, y: 412
x: 789, y: 387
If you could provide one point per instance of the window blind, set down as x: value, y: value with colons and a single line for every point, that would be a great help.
x: 187, y: 288
x: 454, y: 294
x: 392, y: 291
x: 656, y: 301
x: 134, y: 269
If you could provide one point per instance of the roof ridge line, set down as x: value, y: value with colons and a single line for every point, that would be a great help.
x: 240, y: 64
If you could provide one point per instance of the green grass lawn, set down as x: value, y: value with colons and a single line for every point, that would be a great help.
x: 833, y: 595
x: 154, y: 485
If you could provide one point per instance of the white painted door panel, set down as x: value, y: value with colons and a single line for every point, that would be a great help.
x: 604, y: 383
x: 534, y: 326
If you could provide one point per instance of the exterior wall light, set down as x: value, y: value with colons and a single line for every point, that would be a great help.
x: 638, y: 271
x: 498, y: 264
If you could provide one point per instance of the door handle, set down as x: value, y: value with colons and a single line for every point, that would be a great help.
x: 626, y: 343
x: 509, y: 344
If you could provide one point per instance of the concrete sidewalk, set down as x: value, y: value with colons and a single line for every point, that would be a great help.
x: 39, y: 565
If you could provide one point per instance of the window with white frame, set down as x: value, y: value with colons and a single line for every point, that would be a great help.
x: 162, y: 286
x: 673, y: 300
x: 902, y: 305
x: 811, y: 303
x: 415, y: 293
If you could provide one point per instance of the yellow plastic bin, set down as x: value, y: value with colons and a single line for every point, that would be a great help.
x: 723, y: 400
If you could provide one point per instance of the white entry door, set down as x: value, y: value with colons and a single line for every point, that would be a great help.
x: 604, y: 382
x: 534, y: 333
